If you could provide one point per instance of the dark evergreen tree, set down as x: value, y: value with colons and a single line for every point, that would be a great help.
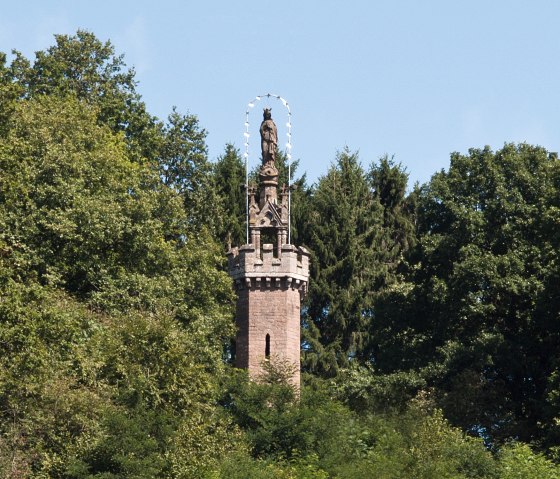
x: 389, y: 183
x: 358, y: 227
x: 229, y: 178
x: 345, y: 223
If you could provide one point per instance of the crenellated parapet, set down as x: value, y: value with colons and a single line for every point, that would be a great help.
x: 251, y: 267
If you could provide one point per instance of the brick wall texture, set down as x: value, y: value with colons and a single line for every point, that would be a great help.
x: 268, y: 310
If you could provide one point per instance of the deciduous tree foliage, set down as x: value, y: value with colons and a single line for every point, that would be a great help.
x: 476, y: 317
x: 114, y: 311
x: 429, y: 309
x: 183, y: 165
x: 84, y: 67
x: 88, y: 68
x: 319, y: 436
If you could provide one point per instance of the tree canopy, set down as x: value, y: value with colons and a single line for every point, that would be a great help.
x: 478, y: 301
x: 431, y: 332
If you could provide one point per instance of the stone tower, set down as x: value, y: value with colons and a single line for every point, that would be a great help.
x: 270, y: 275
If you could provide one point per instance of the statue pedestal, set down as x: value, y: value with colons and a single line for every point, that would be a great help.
x: 269, y: 183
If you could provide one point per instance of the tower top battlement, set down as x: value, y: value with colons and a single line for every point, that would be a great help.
x: 291, y: 265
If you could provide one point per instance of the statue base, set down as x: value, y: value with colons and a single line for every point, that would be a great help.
x: 269, y: 184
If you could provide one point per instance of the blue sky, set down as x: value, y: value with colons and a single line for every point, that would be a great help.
x: 413, y: 79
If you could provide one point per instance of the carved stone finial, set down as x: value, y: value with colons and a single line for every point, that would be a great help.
x: 269, y: 138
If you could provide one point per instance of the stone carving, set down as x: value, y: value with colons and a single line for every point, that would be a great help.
x: 269, y: 138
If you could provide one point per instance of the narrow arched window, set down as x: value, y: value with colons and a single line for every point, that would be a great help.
x: 267, y: 346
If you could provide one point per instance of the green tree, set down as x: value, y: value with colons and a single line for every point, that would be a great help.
x: 300, y: 199
x: 229, y: 171
x: 389, y: 182
x: 10, y: 91
x: 114, y: 308
x: 84, y: 66
x: 345, y: 223
x: 319, y: 436
x: 518, y: 461
x: 183, y: 165
x: 72, y: 197
x: 471, y: 320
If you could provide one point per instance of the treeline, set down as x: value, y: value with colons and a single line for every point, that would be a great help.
x: 431, y: 340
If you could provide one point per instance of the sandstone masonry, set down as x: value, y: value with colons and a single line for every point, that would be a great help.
x: 270, y: 279
x: 269, y: 290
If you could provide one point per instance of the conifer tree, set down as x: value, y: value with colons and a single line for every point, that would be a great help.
x: 345, y: 223
x: 229, y: 178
